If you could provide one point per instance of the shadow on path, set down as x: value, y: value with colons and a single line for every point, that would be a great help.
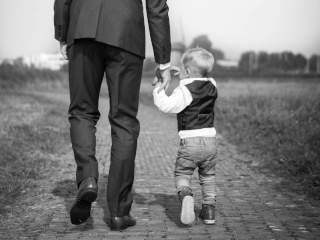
x: 169, y: 202
x: 67, y: 190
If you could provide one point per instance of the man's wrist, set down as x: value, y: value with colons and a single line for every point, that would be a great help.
x: 164, y: 66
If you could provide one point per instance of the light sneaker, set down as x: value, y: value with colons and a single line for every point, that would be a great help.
x: 187, y: 214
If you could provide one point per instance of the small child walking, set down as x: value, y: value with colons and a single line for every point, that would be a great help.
x: 193, y: 102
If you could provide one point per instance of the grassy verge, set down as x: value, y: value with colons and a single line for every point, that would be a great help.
x: 31, y: 128
x: 278, y: 124
x: 17, y: 76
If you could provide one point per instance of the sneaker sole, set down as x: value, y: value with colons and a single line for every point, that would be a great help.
x: 187, y: 210
x: 207, y: 222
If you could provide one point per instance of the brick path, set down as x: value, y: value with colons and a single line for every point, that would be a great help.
x: 249, y: 207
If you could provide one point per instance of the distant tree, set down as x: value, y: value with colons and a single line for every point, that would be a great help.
x: 274, y: 60
x: 247, y: 62
x: 18, y: 62
x: 262, y: 60
x: 244, y: 61
x: 204, y: 42
x: 287, y: 61
x: 300, y: 62
x: 313, y: 63
x: 217, y: 54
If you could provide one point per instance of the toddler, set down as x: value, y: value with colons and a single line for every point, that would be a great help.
x: 193, y: 102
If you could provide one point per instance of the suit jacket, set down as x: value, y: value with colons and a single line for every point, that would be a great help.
x: 115, y: 22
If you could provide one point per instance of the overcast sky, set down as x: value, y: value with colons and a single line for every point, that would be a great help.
x: 234, y: 26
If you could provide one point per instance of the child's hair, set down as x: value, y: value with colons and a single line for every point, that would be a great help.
x: 198, y: 60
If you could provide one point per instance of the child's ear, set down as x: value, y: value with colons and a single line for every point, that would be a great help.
x: 188, y: 72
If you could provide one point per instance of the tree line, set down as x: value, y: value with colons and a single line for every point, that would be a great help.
x: 285, y: 62
x: 263, y: 62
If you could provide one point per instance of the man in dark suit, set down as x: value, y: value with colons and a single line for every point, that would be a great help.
x: 108, y: 37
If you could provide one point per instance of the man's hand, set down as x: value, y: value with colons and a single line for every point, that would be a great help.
x: 166, y: 77
x: 63, y: 49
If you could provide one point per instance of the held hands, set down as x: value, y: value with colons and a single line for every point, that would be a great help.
x: 163, y: 77
x: 63, y: 49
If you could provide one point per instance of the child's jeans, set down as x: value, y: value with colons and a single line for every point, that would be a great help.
x: 198, y: 152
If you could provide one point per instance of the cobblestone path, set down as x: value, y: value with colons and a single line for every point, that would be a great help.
x: 249, y: 207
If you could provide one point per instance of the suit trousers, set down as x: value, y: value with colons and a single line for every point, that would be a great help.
x: 89, y: 60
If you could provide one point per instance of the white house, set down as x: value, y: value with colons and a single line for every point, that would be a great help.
x: 228, y: 63
x: 45, y: 60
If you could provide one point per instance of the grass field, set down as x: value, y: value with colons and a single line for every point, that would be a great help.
x: 276, y: 123
x: 31, y: 128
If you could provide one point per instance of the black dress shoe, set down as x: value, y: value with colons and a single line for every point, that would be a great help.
x: 122, y: 223
x: 81, y: 208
